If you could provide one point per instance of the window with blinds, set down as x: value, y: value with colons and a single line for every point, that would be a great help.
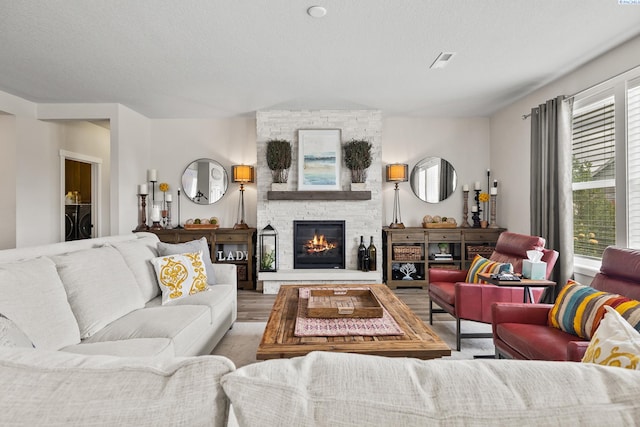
x: 606, y: 195
x: 594, y: 192
x: 633, y: 163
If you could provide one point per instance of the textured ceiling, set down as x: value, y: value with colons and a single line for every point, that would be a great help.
x: 224, y: 58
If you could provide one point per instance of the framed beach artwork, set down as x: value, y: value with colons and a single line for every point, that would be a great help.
x: 319, y: 159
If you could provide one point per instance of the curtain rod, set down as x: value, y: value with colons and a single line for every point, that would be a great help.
x: 595, y: 86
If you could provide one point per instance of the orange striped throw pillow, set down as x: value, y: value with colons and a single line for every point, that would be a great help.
x: 579, y: 309
x: 481, y: 265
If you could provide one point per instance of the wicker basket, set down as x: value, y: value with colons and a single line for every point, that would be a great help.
x: 483, y: 250
x: 407, y: 253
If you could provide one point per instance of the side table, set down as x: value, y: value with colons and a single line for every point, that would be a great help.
x: 527, y: 284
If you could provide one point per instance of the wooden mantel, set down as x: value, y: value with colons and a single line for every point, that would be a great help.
x: 318, y: 195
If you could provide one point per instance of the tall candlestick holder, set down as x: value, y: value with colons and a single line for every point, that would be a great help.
x: 493, y: 224
x: 142, y: 213
x: 476, y: 215
x: 168, y: 225
x: 178, y: 226
x: 465, y: 209
x: 153, y: 190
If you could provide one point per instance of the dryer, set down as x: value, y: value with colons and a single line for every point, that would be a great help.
x: 77, y: 220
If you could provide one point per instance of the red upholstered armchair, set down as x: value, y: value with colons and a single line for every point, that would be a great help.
x: 522, y: 331
x: 472, y: 301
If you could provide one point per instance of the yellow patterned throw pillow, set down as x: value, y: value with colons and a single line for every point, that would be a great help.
x: 615, y: 343
x: 180, y: 275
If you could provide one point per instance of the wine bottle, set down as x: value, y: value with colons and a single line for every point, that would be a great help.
x: 371, y: 251
x: 362, y: 250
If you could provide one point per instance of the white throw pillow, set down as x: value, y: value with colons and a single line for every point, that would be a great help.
x: 190, y: 247
x: 138, y: 255
x: 100, y: 287
x: 180, y: 275
x: 34, y: 298
x: 615, y: 343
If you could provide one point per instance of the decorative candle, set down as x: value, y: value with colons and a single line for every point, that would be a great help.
x: 168, y: 197
x: 493, y: 191
x: 155, y: 213
x: 465, y: 187
x: 474, y: 209
x: 152, y: 175
x: 476, y: 186
x: 142, y: 189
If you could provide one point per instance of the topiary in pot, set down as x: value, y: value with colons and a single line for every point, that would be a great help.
x: 279, y: 159
x: 357, y: 157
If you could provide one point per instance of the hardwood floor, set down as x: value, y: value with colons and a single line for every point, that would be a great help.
x: 254, y: 306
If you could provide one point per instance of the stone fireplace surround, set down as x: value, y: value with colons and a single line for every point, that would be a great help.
x: 362, y: 217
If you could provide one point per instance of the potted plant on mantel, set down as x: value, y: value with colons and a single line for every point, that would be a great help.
x: 357, y: 157
x: 279, y: 161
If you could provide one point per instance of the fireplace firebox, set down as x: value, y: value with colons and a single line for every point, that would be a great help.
x: 318, y: 244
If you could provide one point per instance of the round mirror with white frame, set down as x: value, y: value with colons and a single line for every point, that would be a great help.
x: 204, y: 181
x: 433, y: 179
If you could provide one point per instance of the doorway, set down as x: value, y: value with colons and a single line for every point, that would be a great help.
x: 81, y: 188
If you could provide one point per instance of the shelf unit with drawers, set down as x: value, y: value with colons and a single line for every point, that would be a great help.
x: 409, y: 253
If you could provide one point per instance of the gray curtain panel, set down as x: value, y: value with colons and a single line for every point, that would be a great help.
x: 551, y: 195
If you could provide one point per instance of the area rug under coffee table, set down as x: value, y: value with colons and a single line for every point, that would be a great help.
x: 417, y: 339
x: 240, y: 344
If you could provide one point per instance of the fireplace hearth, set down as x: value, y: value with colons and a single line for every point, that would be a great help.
x: 318, y: 244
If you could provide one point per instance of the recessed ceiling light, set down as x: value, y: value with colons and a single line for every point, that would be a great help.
x: 443, y: 59
x: 317, y: 11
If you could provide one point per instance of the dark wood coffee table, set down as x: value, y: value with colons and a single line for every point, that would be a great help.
x: 279, y: 341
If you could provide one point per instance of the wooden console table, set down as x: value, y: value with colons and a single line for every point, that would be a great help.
x: 228, y: 245
x: 408, y: 253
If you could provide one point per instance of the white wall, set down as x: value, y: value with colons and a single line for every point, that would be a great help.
x: 463, y: 142
x: 8, y: 180
x: 37, y: 182
x: 130, y: 153
x: 177, y: 142
x: 510, y: 135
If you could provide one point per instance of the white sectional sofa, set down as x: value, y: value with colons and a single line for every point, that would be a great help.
x: 101, y: 296
x: 55, y: 388
x: 107, y: 353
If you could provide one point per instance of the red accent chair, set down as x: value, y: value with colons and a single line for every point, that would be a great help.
x: 522, y: 331
x: 472, y: 301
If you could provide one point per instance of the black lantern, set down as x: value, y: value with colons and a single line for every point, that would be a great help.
x: 268, y: 249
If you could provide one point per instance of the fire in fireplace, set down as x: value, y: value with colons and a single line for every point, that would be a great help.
x: 318, y: 244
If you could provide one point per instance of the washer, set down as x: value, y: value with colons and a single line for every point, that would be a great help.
x: 84, y: 225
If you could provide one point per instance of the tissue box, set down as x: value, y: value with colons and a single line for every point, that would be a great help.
x: 534, y: 270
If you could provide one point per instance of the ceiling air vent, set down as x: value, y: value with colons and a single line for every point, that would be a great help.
x: 443, y: 59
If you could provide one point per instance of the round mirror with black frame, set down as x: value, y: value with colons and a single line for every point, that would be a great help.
x: 433, y: 179
x: 204, y: 181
